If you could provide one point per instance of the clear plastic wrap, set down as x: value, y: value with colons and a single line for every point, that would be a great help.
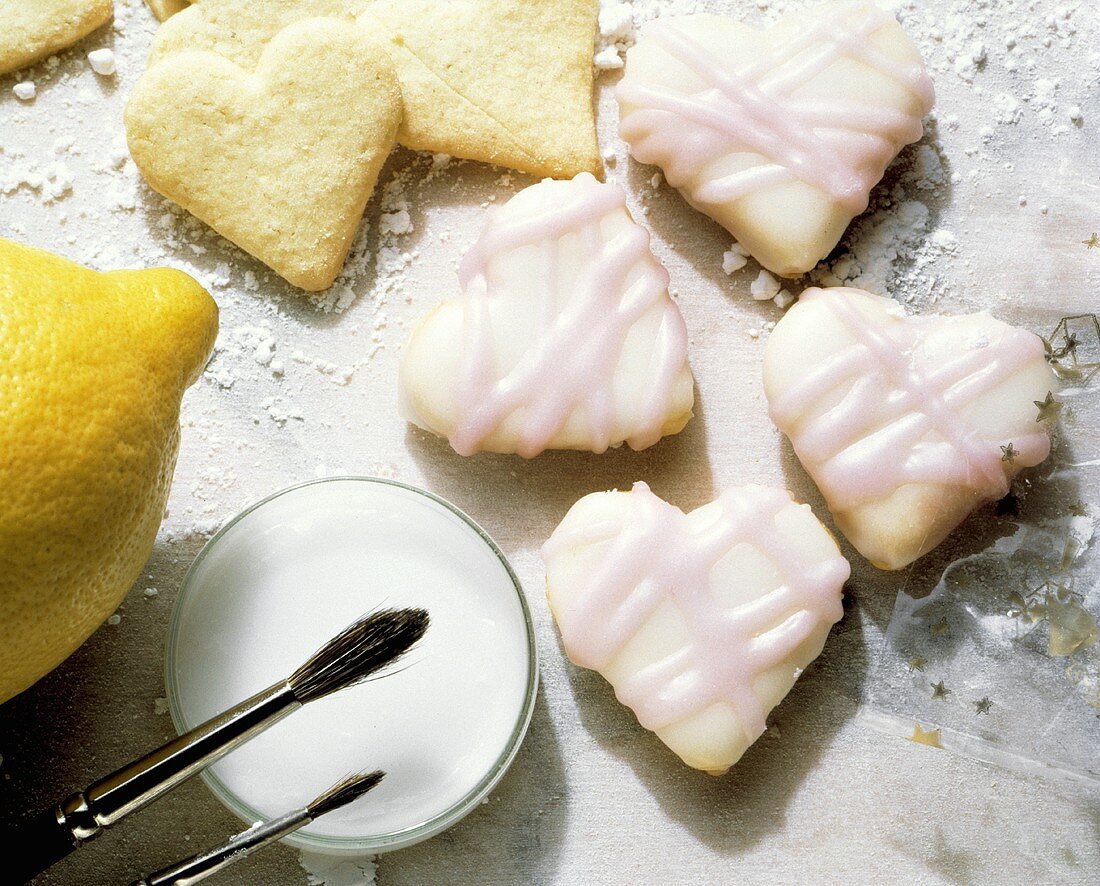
x: 1001, y: 660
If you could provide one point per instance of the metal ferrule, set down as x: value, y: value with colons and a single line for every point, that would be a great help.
x: 199, y: 867
x: 106, y: 801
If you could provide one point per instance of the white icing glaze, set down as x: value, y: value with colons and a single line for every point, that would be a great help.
x: 721, y: 103
x: 655, y: 553
x: 592, y: 268
x: 867, y: 446
x: 905, y: 423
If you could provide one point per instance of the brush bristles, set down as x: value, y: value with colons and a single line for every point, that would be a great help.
x: 348, y: 791
x: 358, y: 651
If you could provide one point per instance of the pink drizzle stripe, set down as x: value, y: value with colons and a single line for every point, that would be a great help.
x: 572, y: 363
x: 875, y: 439
x: 658, y: 553
x: 841, y: 148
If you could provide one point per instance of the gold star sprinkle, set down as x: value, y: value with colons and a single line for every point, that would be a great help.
x: 918, y: 663
x: 982, y: 705
x: 1009, y: 453
x: 1078, y: 509
x: 1049, y: 409
x: 930, y: 738
x: 1092, y: 242
x: 940, y: 628
x: 939, y: 690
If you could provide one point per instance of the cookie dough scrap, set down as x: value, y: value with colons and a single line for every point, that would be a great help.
x: 281, y: 161
x: 777, y: 135
x: 500, y: 81
x: 30, y: 30
x: 565, y: 336
x: 701, y: 622
x: 906, y: 424
x: 165, y: 9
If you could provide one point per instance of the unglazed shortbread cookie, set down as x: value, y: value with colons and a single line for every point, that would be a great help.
x: 502, y: 81
x: 701, y: 622
x: 165, y: 9
x: 33, y: 29
x: 905, y: 424
x: 777, y: 135
x: 565, y: 336
x: 282, y: 161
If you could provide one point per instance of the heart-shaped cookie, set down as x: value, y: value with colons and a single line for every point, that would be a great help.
x: 565, y: 337
x: 905, y: 424
x: 779, y: 135
x: 33, y: 29
x: 502, y: 81
x: 165, y: 9
x: 701, y: 622
x: 282, y: 161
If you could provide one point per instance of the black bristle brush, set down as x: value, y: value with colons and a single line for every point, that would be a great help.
x: 356, y: 653
x: 199, y: 867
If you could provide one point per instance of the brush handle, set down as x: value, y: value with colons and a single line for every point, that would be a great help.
x: 38, y: 843
x: 84, y: 815
x: 131, y: 787
x: 199, y: 867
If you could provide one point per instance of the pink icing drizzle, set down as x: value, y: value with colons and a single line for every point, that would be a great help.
x: 656, y: 553
x: 842, y: 148
x: 572, y: 363
x: 866, y: 446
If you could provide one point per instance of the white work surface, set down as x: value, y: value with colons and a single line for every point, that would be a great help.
x: 988, y: 212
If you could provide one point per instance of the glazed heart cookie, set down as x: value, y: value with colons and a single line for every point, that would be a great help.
x: 281, y: 161
x: 30, y: 31
x: 905, y: 424
x: 701, y: 622
x: 565, y: 337
x: 780, y: 135
x: 501, y: 81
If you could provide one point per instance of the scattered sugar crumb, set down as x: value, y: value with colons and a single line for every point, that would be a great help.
x: 608, y: 59
x: 25, y: 90
x: 398, y: 221
x: 734, y: 258
x: 103, y: 62
x: 765, y: 287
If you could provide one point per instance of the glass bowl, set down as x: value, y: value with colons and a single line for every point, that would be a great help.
x: 201, y: 634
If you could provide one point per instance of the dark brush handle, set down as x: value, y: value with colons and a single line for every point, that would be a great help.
x: 36, y: 844
x: 41, y: 841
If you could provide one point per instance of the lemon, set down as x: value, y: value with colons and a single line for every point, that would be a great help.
x: 92, y: 370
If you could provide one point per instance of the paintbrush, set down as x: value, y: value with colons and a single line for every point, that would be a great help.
x: 356, y: 653
x: 199, y: 867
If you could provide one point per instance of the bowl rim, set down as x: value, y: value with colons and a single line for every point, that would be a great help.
x: 387, y: 842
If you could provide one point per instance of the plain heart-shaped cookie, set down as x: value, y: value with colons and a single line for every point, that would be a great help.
x: 701, y: 622
x: 501, y: 81
x: 33, y: 29
x: 281, y: 161
x: 565, y: 336
x: 165, y: 9
x: 778, y: 135
x: 905, y: 424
